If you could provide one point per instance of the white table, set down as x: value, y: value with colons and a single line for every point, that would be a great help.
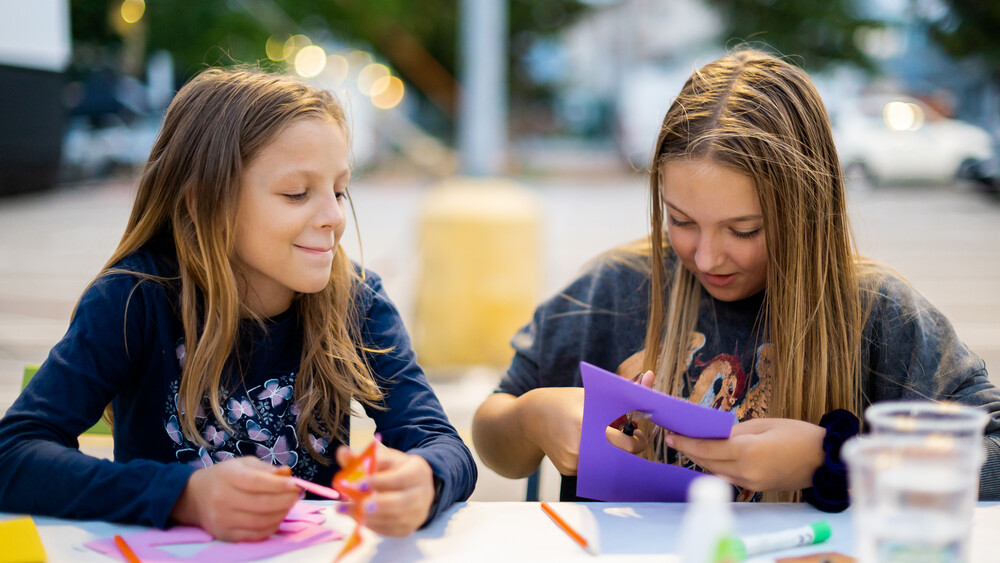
x: 520, y: 531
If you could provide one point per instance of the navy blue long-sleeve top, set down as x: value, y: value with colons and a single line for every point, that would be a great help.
x: 125, y: 347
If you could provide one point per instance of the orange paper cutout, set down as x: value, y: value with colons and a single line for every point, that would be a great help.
x: 352, y: 483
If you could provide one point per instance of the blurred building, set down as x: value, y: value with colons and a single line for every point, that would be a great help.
x: 629, y: 58
x: 34, y: 51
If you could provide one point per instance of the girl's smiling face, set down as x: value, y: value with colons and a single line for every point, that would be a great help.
x: 290, y: 214
x: 716, y: 227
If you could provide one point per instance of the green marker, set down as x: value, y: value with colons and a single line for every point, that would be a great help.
x: 817, y: 532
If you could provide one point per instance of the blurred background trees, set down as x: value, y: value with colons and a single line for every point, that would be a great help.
x: 969, y: 28
x: 597, y: 70
x: 821, y: 32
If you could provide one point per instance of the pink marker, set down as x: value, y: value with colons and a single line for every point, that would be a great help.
x: 320, y: 490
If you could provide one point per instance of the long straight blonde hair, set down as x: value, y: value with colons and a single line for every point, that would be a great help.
x: 761, y: 116
x: 188, y: 194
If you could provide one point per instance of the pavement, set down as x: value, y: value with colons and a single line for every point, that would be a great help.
x: 944, y: 239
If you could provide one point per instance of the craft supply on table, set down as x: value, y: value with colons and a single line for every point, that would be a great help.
x: 352, y: 483
x: 125, y: 550
x: 20, y: 542
x: 315, y: 489
x: 601, y: 464
x: 572, y: 533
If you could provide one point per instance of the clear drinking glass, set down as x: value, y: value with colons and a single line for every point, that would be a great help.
x: 941, y: 420
x: 914, y: 481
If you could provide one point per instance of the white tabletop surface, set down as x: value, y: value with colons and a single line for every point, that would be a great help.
x: 520, y: 531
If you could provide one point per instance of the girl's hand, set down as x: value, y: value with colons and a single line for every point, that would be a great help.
x: 556, y: 424
x: 553, y: 420
x: 761, y: 454
x: 240, y: 499
x: 637, y: 442
x: 403, y: 491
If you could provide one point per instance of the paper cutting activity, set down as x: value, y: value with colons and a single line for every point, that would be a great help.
x: 747, y: 297
x: 741, y: 383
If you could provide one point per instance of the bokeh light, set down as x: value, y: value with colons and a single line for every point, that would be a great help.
x: 368, y: 76
x: 310, y: 61
x: 358, y: 60
x: 903, y: 116
x: 293, y: 44
x: 379, y: 86
x: 132, y: 10
x: 337, y: 68
x: 275, y: 48
x: 390, y: 92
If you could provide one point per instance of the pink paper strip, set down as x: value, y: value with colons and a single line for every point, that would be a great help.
x: 305, y: 512
x: 610, y: 474
x: 320, y: 490
x: 293, y: 534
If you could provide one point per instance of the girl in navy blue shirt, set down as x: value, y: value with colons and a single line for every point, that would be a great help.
x: 227, y: 335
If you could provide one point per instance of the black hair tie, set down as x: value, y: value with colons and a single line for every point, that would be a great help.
x: 829, y: 490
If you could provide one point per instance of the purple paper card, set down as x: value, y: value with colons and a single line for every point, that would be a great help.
x: 610, y: 474
x: 292, y: 535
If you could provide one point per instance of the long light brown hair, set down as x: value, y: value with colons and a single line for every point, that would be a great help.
x: 762, y: 117
x: 188, y: 194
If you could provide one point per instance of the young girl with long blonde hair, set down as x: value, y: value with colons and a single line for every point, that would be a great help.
x: 227, y: 335
x: 748, y: 296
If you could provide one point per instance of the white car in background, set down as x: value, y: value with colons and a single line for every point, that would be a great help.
x: 895, y: 139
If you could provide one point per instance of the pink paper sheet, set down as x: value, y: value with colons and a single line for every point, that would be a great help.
x: 610, y: 474
x: 300, y: 529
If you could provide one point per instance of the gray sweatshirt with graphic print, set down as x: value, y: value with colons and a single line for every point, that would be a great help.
x: 910, y: 350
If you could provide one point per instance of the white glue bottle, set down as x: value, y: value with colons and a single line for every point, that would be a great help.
x: 706, y: 534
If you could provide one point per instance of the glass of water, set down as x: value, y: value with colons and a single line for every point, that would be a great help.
x: 935, y: 420
x: 915, y: 480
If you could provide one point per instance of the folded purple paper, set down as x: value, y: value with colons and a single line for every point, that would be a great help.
x: 610, y: 474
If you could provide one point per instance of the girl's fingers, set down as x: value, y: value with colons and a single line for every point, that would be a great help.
x: 647, y: 379
x: 706, y: 449
x: 255, y: 521
x: 715, y: 467
x: 635, y: 444
x: 396, y: 514
x: 344, y: 455
x: 264, y: 504
x: 262, y: 483
x: 402, y: 471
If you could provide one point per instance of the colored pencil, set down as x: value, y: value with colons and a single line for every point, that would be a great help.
x: 568, y: 529
x: 127, y: 552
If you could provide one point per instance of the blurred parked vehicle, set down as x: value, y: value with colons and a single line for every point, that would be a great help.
x: 987, y: 174
x: 892, y: 139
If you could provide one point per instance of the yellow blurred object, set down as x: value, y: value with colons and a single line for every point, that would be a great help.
x: 132, y: 10
x: 20, y: 542
x: 479, y: 244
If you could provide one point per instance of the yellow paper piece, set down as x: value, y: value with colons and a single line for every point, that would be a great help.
x: 20, y: 542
